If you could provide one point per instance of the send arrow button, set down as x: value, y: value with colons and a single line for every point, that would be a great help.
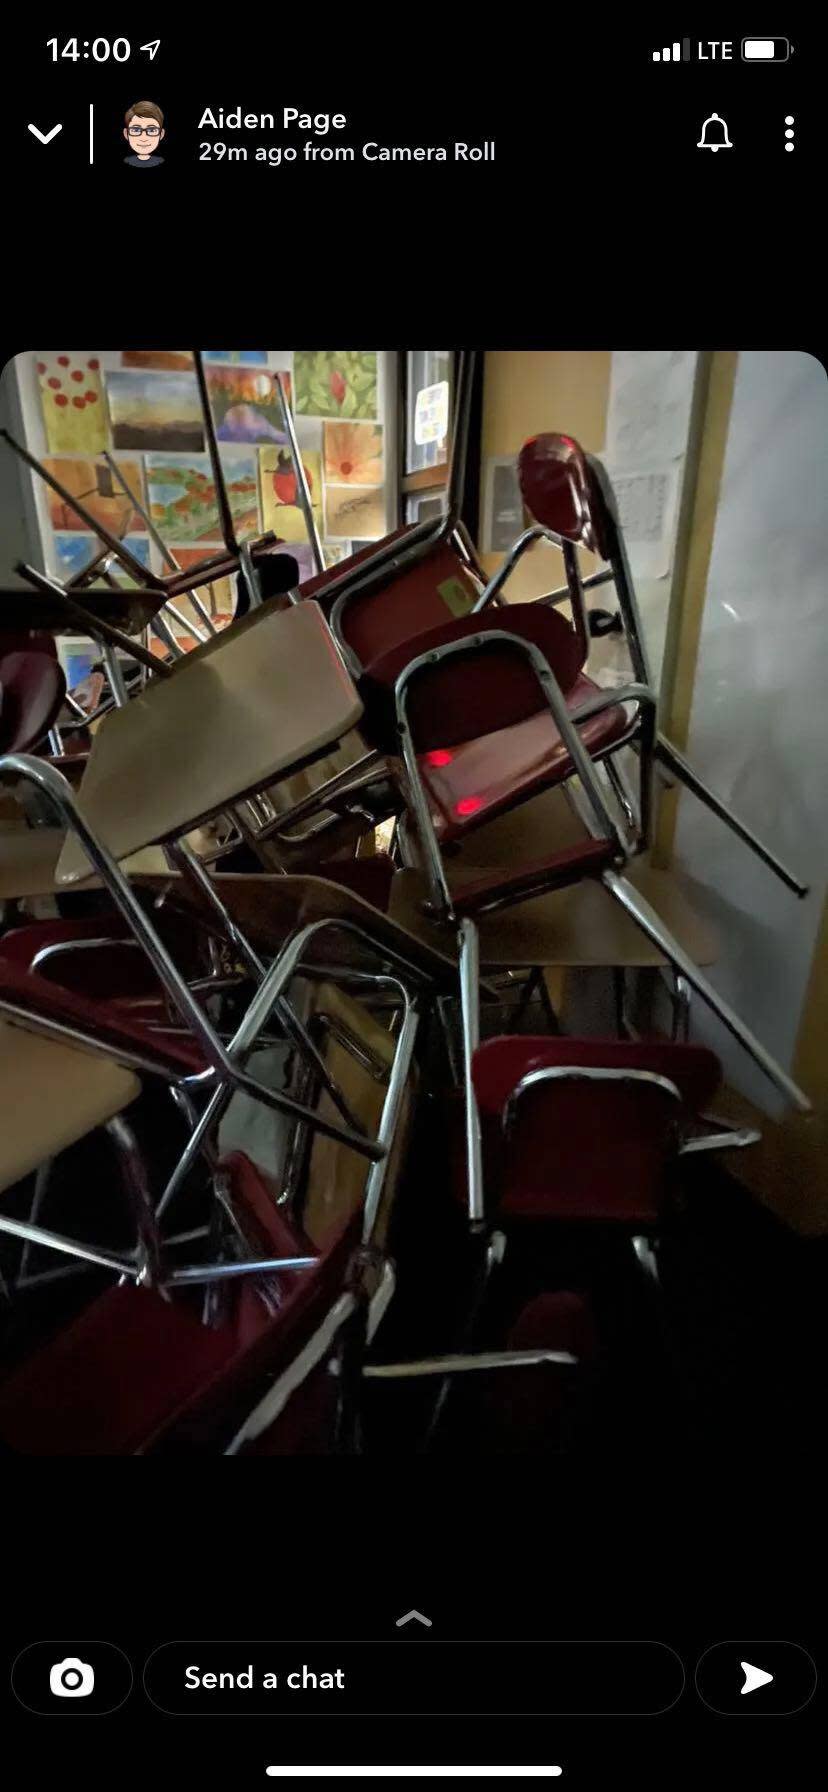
x: 728, y: 1672
x: 754, y: 1677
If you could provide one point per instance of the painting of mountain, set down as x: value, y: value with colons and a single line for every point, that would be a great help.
x: 155, y: 412
x: 245, y: 404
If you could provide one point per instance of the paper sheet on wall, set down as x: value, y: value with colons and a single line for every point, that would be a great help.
x: 647, y: 501
x: 649, y: 407
x: 502, y: 504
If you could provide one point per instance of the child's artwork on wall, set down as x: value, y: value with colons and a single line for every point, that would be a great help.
x: 74, y: 553
x: 245, y: 404
x: 183, y: 503
x: 355, y: 511
x: 335, y: 382
x: 71, y: 397
x: 155, y: 412
x: 219, y: 597
x: 335, y: 551
x: 242, y: 357
x: 95, y: 484
x: 162, y: 360
x: 281, y: 510
x: 353, y: 453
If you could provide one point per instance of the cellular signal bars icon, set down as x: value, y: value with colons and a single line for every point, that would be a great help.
x: 677, y: 52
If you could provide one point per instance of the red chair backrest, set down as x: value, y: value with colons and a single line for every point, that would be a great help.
x: 562, y: 490
x: 462, y: 699
x: 581, y: 1148
x: 32, y: 688
x: 32, y: 640
x: 402, y: 603
x: 134, y: 1370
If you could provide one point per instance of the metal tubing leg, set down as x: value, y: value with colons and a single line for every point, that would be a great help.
x: 389, y: 1119
x: 202, y: 610
x: 650, y: 923
x: 444, y: 1006
x: 623, y: 796
x: 192, y: 868
x: 494, y: 1253
x: 305, y: 501
x: 251, y: 575
x: 165, y: 634
x: 646, y: 1257
x: 115, y: 675
x: 219, y: 1100
x: 42, y: 1176
x: 227, y: 525
x: 69, y: 1247
x: 190, y: 628
x: 462, y: 1363
x: 681, y: 1008
x: 132, y: 1170
x: 195, y: 1274
x: 470, y: 1011
x: 674, y: 763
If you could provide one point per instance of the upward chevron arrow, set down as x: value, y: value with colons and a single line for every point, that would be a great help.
x: 407, y: 1617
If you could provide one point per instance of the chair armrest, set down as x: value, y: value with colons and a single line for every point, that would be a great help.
x: 608, y: 699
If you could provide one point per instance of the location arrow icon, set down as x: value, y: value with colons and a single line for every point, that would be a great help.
x: 754, y: 1677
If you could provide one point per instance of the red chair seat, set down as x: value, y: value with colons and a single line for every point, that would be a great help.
x: 33, y: 688
x: 585, y: 1149
x: 134, y: 1365
x: 483, y: 732
x: 25, y: 993
x: 473, y: 782
x: 107, y: 1383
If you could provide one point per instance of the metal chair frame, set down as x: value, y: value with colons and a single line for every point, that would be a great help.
x: 226, y: 1063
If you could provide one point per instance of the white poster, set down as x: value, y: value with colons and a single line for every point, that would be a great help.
x: 431, y: 414
x: 502, y: 504
x: 651, y: 394
x: 647, y: 501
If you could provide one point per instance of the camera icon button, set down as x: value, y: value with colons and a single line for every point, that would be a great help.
x: 71, y: 1679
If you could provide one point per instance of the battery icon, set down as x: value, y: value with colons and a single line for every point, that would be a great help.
x: 765, y: 49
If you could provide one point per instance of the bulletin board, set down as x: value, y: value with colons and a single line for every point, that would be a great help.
x: 142, y: 407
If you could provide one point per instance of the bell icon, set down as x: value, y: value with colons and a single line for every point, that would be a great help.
x: 714, y: 134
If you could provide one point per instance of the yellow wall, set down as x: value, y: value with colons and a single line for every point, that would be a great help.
x: 527, y: 391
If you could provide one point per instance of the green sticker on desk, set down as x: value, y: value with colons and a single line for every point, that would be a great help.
x: 456, y: 596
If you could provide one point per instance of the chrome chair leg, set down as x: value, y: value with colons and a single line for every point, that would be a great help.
x: 650, y: 923
x: 470, y: 1011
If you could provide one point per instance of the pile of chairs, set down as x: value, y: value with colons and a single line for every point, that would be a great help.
x: 226, y: 1020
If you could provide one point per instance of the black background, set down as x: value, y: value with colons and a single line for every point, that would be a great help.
x: 600, y: 224
x: 599, y: 220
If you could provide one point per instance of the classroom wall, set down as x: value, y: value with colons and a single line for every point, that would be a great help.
x: 525, y: 391
x: 757, y: 722
x: 19, y: 537
x: 574, y: 391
